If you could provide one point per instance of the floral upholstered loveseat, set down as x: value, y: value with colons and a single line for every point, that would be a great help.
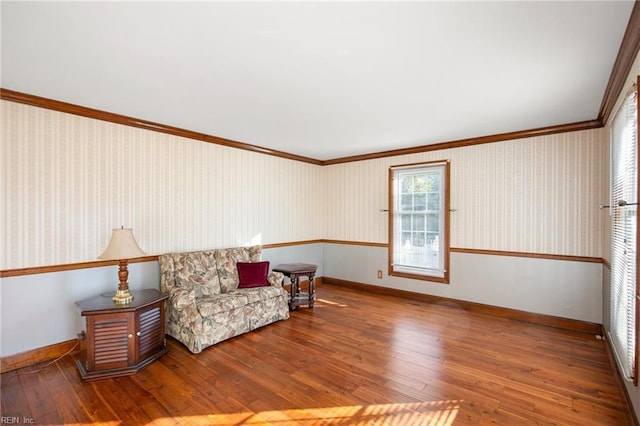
x: 206, y: 305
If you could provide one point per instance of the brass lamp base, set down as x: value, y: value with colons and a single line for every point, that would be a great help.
x: 123, y: 297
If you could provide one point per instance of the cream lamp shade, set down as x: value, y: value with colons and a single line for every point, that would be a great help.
x: 122, y: 247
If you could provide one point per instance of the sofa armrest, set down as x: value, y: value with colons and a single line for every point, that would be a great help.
x: 180, y: 298
x: 275, y: 278
x: 182, y: 309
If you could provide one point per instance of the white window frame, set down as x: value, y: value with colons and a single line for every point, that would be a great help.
x: 405, y: 259
x: 624, y: 242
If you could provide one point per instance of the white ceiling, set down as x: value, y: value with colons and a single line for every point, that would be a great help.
x: 321, y: 80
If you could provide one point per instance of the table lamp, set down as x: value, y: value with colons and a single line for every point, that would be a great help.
x: 122, y: 247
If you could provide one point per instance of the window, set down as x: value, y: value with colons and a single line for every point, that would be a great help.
x: 624, y: 196
x: 419, y: 221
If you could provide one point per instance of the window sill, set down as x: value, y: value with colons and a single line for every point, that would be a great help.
x: 431, y: 278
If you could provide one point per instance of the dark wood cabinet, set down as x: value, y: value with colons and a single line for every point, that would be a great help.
x: 119, y: 340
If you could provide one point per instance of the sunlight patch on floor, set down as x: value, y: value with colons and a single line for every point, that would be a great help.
x: 433, y: 413
x: 329, y: 302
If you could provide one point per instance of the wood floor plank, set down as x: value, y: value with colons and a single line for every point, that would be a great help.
x: 62, y: 395
x: 95, y: 406
x: 355, y: 358
x: 206, y: 379
x: 42, y: 403
x: 174, y: 393
x: 14, y: 399
x: 508, y: 417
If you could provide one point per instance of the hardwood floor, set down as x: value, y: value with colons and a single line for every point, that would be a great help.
x: 353, y: 359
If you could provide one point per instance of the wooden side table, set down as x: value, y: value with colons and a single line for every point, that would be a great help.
x: 120, y: 340
x: 294, y: 271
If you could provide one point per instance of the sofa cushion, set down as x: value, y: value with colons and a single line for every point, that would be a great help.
x: 258, y: 294
x: 253, y: 274
x: 213, y: 305
x: 210, y: 306
x: 226, y: 260
x: 197, y: 271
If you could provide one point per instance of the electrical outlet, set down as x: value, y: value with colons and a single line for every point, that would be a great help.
x: 379, y: 274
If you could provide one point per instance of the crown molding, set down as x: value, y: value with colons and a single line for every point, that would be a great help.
x: 38, y: 101
x: 41, y: 102
x: 627, y: 54
x: 629, y: 49
x: 521, y: 134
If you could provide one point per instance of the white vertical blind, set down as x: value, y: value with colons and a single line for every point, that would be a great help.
x: 624, y: 193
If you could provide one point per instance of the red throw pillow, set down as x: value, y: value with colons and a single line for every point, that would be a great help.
x: 253, y: 274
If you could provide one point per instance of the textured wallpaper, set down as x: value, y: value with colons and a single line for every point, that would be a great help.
x: 68, y: 180
x: 538, y: 195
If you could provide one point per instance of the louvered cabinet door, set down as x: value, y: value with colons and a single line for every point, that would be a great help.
x: 110, y: 341
x: 121, y: 339
x: 149, y: 331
